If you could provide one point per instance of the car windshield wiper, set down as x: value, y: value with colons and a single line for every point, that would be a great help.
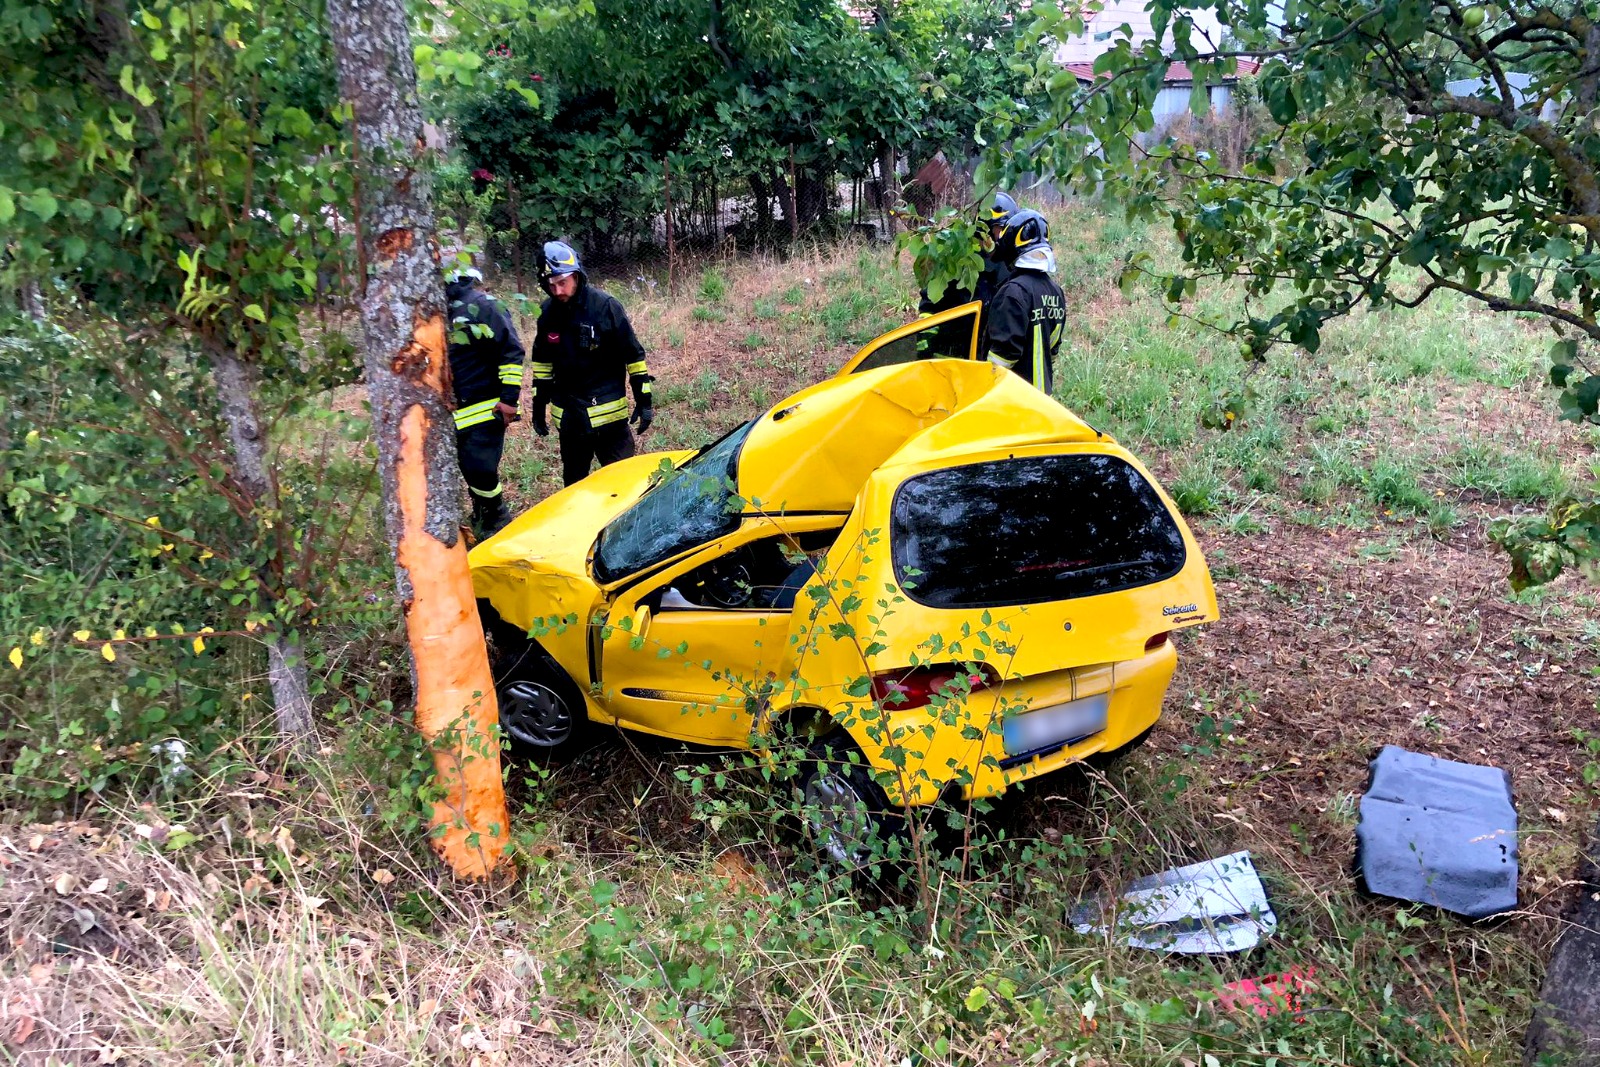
x: 1106, y: 568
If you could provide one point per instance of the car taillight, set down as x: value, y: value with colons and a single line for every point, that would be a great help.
x: 916, y: 687
x: 1157, y: 641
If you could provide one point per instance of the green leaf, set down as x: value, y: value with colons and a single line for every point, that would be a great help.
x: 1522, y: 286
x: 1581, y: 402
x: 42, y: 204
x: 8, y: 206
x: 253, y: 311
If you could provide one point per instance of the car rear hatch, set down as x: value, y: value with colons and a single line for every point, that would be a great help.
x: 1037, y: 559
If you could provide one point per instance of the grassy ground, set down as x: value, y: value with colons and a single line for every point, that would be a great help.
x: 660, y: 919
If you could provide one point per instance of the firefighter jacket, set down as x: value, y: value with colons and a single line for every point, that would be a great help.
x: 1023, y: 327
x: 485, y: 354
x: 584, y: 357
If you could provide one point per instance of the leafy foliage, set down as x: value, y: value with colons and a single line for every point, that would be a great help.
x: 177, y: 234
x: 779, y: 97
x: 130, y: 606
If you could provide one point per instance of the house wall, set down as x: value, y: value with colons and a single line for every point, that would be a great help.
x: 1174, y: 101
x: 1104, y: 31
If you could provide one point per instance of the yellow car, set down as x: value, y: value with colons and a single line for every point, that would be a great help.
x: 930, y: 563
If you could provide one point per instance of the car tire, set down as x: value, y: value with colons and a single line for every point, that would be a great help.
x: 542, y: 712
x: 845, y: 815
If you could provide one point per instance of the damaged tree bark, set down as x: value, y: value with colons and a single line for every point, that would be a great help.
x: 408, y: 379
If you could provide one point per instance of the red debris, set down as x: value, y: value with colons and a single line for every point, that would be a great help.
x: 1269, y: 994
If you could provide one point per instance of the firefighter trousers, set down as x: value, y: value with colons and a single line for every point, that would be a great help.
x: 580, y: 447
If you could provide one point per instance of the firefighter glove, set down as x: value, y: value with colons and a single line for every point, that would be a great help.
x: 643, y: 415
x: 540, y: 426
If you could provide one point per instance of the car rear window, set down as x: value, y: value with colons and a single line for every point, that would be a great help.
x: 689, y: 507
x: 1030, y: 530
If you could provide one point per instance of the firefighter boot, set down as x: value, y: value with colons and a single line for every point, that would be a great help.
x: 489, y: 514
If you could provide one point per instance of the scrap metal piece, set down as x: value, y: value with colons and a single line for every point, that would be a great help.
x: 1216, y: 906
x: 1439, y: 832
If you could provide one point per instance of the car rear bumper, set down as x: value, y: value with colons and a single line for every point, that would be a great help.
x: 981, y: 767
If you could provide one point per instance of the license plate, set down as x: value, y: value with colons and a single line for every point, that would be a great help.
x: 1054, y: 726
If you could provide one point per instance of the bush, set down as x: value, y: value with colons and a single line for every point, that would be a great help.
x: 133, y: 589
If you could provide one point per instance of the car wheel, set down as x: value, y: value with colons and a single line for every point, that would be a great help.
x: 541, y: 710
x: 847, y: 816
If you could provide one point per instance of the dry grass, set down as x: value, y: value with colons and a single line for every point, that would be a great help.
x: 125, y: 953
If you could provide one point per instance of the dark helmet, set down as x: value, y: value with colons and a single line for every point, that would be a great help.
x: 459, y: 268
x: 1004, y: 207
x: 1025, y: 229
x: 560, y: 258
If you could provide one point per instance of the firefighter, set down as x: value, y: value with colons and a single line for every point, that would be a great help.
x: 1025, y: 318
x: 585, y: 357
x: 486, y: 371
x: 990, y: 278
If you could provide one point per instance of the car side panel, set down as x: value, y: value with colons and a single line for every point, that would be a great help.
x: 699, y: 674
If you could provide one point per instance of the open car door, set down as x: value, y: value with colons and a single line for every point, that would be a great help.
x: 950, y: 334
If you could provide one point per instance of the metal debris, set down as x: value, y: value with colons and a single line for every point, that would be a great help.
x: 1439, y: 832
x: 1216, y: 906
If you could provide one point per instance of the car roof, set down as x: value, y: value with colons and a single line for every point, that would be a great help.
x: 815, y: 450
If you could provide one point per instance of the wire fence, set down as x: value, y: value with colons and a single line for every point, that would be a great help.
x: 706, y: 215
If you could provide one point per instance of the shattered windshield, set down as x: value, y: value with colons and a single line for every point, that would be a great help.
x: 692, y: 505
x: 1030, y: 530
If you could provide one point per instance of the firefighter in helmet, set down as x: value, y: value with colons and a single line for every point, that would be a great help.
x: 1022, y: 330
x: 585, y: 359
x: 486, y: 372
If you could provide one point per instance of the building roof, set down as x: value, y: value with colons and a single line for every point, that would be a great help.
x: 1178, y: 72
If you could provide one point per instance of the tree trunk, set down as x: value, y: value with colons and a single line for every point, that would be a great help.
x: 33, y: 300
x: 291, y: 690
x: 286, y: 666
x: 785, y: 194
x: 887, y: 173
x: 408, y: 379
x: 814, y: 197
x: 762, y: 194
x: 1566, y: 1022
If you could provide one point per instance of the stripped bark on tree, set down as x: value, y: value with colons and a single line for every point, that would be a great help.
x: 408, y: 380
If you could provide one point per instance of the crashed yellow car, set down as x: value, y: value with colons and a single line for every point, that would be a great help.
x: 930, y: 564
